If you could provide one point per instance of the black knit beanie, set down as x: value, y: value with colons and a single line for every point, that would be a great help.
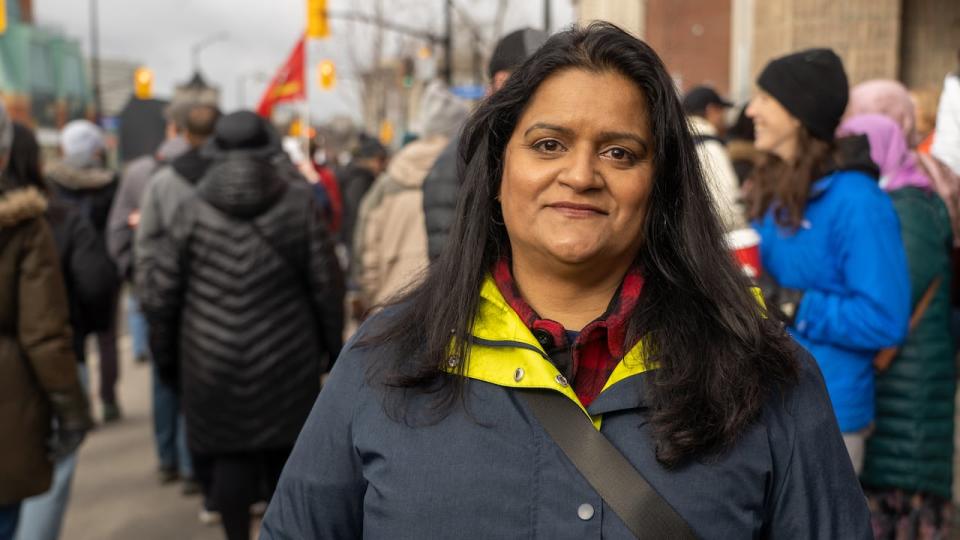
x: 812, y: 86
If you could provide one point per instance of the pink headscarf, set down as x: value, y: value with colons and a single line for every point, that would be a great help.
x: 889, y: 98
x: 888, y: 149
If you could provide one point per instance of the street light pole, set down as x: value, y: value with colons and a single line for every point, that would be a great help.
x: 203, y: 44
x: 547, y: 23
x: 242, y: 81
x: 95, y: 60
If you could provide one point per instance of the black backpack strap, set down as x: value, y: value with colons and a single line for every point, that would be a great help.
x: 622, y: 487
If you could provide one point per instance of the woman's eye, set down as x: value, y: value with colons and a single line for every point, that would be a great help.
x: 548, y: 145
x: 619, y: 154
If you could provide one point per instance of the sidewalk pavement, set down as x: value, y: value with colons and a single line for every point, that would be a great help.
x: 116, y: 494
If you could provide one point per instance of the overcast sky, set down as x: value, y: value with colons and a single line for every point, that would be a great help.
x: 160, y: 34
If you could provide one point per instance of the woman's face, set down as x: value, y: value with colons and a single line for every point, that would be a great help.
x: 578, y: 171
x: 777, y: 131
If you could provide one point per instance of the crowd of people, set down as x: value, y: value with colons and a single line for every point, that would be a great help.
x: 559, y: 256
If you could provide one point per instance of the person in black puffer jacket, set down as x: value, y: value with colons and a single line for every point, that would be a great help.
x: 245, y: 308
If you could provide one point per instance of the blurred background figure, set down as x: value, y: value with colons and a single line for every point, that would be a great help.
x: 833, y: 260
x: 390, y: 241
x: 743, y: 154
x: 369, y: 160
x: 925, y: 101
x: 891, y: 98
x: 441, y: 188
x: 244, y: 298
x: 946, y: 140
x: 82, y: 181
x: 88, y: 276
x: 909, y: 455
x: 706, y: 112
x: 46, y: 412
x: 125, y: 216
x: 166, y: 189
x: 326, y: 182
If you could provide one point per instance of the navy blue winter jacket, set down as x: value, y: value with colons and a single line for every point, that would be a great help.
x: 491, y: 471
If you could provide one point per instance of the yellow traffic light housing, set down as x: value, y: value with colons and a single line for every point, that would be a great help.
x: 318, y: 26
x: 328, y: 74
x: 386, y: 132
x: 143, y: 83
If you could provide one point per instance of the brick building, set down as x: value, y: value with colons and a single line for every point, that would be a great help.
x: 726, y: 42
x: 692, y: 36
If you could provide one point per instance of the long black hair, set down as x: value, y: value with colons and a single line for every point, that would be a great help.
x: 719, y: 358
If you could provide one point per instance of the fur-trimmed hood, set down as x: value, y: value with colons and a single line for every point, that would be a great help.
x: 76, y: 179
x: 19, y: 205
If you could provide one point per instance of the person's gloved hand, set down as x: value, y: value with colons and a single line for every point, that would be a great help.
x: 72, y: 413
x: 64, y: 442
x: 781, y: 302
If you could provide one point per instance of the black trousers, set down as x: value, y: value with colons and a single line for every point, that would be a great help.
x: 232, y: 482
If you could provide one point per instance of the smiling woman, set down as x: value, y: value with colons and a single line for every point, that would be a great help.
x: 587, y: 268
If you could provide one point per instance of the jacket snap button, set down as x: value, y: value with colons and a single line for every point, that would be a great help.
x: 561, y: 380
x: 585, y: 512
x: 518, y: 374
x: 453, y: 361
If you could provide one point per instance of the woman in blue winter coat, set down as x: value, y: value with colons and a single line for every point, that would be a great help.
x: 833, y: 260
x: 585, y: 318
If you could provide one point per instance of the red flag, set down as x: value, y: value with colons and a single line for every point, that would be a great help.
x: 288, y: 84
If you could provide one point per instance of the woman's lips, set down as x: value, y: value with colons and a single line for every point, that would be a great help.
x: 574, y: 210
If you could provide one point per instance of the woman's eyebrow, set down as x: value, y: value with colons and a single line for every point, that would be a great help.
x: 604, y: 135
x: 614, y: 135
x: 551, y: 127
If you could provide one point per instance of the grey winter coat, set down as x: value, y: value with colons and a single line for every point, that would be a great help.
x: 133, y: 185
x: 167, y: 190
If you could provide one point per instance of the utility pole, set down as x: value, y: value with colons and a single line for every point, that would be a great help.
x: 95, y: 60
x: 547, y: 23
x: 448, y: 42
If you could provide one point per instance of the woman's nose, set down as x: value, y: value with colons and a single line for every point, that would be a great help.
x: 580, y: 172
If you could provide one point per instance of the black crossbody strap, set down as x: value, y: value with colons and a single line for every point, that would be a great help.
x: 617, y: 481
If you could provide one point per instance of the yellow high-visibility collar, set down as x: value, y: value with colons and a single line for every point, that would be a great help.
x: 505, y: 353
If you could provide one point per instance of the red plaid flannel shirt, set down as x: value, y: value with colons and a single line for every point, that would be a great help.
x: 600, y: 345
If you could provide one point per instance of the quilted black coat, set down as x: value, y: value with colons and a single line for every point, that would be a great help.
x: 245, y: 305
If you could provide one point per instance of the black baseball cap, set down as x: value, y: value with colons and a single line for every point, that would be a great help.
x: 697, y: 99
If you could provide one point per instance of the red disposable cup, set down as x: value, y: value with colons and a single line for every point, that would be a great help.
x: 745, y: 245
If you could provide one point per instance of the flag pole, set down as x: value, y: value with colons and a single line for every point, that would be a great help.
x: 305, y: 109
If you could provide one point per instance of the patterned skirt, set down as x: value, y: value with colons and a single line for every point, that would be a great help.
x: 899, y: 515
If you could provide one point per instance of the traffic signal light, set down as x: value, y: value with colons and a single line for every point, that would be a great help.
x: 3, y: 16
x: 328, y: 74
x: 386, y: 132
x: 143, y: 83
x: 317, y: 24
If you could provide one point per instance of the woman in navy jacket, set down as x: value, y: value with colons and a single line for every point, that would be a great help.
x: 832, y: 255
x: 586, y: 263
